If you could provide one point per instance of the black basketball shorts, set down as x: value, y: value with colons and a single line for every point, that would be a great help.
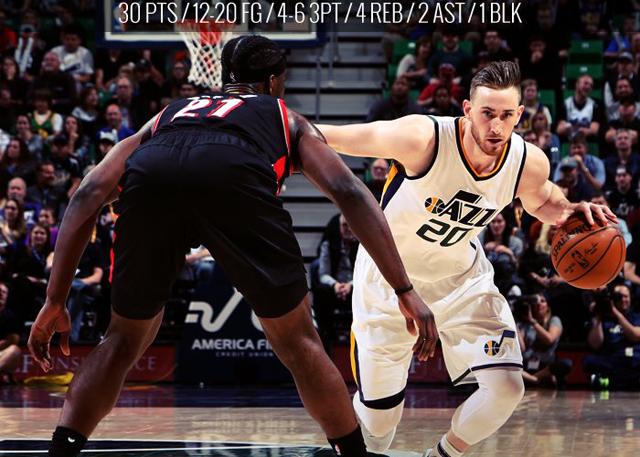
x: 183, y: 189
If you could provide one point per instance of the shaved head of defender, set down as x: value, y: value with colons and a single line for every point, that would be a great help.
x: 254, y: 62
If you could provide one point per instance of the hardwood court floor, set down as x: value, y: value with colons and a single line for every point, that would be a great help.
x: 240, y: 421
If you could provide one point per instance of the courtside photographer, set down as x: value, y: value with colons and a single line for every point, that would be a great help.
x: 615, y: 338
x: 539, y: 333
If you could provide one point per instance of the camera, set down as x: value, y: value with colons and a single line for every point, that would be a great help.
x: 604, y: 300
x: 616, y: 297
x: 522, y: 306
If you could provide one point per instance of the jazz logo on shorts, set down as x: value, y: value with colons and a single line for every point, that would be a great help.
x: 492, y: 347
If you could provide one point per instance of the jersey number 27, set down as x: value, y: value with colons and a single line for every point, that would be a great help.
x: 196, y: 107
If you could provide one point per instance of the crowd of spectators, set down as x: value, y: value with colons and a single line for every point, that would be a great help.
x: 587, y: 123
x: 64, y: 103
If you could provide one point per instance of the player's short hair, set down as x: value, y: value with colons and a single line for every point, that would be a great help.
x: 251, y: 59
x: 497, y: 75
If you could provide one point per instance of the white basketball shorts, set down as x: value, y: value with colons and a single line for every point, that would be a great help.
x: 475, y: 325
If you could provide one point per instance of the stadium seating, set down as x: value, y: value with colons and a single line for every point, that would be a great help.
x: 548, y: 98
x: 402, y: 48
x: 574, y: 71
x: 585, y: 52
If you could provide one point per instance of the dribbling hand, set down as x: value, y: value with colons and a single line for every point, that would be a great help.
x: 52, y: 318
x: 420, y: 321
x: 591, y: 211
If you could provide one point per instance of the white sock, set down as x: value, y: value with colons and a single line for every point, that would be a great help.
x: 445, y: 449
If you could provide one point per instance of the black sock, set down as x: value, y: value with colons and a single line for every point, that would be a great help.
x: 351, y: 445
x: 66, y: 443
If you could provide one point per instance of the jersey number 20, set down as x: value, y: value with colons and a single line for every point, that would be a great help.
x: 436, y: 231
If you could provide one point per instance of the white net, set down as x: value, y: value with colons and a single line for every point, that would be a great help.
x: 205, y: 41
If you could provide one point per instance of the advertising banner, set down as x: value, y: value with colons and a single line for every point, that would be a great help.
x: 157, y: 363
x: 222, y: 340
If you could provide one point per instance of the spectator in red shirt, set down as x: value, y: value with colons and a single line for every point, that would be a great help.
x: 443, y: 104
x: 8, y: 37
x: 446, y: 76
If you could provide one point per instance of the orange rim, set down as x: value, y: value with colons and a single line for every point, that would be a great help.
x: 210, y: 31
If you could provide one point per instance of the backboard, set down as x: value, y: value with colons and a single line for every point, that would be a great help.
x: 154, y: 23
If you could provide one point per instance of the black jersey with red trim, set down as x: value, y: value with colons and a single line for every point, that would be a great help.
x: 260, y: 120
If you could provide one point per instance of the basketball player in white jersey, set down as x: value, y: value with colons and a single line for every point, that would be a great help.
x: 450, y: 177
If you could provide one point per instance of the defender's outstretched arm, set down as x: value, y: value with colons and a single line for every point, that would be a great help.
x: 96, y: 189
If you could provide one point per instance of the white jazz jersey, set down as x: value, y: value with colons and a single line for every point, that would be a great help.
x: 435, y: 219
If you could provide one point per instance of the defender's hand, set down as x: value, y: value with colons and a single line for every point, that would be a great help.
x: 420, y: 321
x: 52, y: 318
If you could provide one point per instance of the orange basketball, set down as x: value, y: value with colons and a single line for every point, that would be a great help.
x: 587, y: 256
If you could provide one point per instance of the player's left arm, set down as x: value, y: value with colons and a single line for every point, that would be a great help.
x: 544, y: 200
x: 96, y: 189
x: 75, y: 230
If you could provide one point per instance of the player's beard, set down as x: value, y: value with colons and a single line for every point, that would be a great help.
x: 485, y: 146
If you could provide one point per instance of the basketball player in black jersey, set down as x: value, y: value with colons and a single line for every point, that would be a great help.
x: 216, y: 162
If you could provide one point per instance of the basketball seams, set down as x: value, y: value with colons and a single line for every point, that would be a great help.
x: 597, y: 261
x: 568, y: 233
x: 623, y: 249
x: 568, y: 247
x: 594, y: 262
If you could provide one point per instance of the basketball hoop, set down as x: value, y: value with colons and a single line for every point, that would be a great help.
x: 205, y: 40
